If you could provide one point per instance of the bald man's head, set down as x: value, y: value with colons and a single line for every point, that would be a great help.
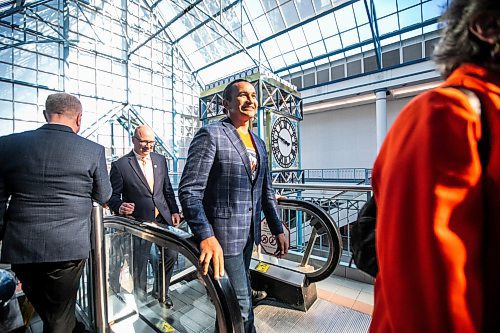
x: 143, y: 140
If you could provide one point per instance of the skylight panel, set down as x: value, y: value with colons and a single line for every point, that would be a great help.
x: 304, y: 8
x: 317, y: 49
x: 384, y: 7
x: 409, y: 17
x: 388, y: 24
x: 297, y: 37
x: 345, y: 18
x: 312, y: 32
x: 349, y: 38
x: 276, y: 20
x: 254, y: 8
x: 290, y: 13
x: 327, y: 25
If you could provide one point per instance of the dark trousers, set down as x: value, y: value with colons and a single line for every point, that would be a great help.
x: 140, y: 258
x: 170, y: 257
x: 52, y: 288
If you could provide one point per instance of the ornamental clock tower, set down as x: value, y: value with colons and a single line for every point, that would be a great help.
x: 276, y: 122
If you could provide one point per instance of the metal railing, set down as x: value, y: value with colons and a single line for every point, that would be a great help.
x: 354, y: 175
x: 341, y: 202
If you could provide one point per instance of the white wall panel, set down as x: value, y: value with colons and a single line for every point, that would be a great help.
x: 343, y: 138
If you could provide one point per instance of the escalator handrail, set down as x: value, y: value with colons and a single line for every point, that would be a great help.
x: 326, y: 223
x: 221, y: 291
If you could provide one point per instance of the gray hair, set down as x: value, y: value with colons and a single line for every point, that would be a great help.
x: 62, y: 104
x: 457, y: 44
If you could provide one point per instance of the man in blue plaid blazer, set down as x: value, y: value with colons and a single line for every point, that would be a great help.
x: 224, y: 188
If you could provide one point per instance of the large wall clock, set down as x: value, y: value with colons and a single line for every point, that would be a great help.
x: 284, y: 142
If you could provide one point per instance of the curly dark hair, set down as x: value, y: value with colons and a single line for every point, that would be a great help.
x: 457, y: 44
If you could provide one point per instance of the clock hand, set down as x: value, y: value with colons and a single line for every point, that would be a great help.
x: 283, y: 140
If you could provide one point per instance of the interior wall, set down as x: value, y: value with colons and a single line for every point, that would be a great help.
x: 343, y: 138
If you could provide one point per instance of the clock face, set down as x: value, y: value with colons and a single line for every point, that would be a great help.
x: 284, y: 142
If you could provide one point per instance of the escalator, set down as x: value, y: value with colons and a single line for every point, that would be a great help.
x: 118, y: 304
x: 111, y: 301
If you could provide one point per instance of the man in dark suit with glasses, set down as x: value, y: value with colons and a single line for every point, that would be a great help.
x: 142, y: 190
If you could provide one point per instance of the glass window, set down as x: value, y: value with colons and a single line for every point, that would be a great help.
x: 284, y: 43
x: 277, y: 63
x: 384, y: 7
x: 403, y: 4
x: 327, y: 25
x: 268, y: 4
x: 312, y: 32
x: 333, y: 43
x: 49, y: 80
x: 290, y: 13
x: 271, y: 48
x: 360, y: 12
x: 317, y: 49
x: 304, y: 8
x: 322, y: 5
x: 254, y: 8
x: 387, y: 24
x: 5, y: 90
x: 25, y: 111
x: 48, y: 64
x: 290, y: 58
x: 349, y: 37
x: 297, y: 37
x: 262, y: 27
x: 276, y: 20
x: 6, y: 127
x: 345, y: 18
x: 303, y: 53
x: 433, y: 9
x: 6, y: 107
x: 6, y: 71
x: 21, y: 126
x: 365, y: 32
x: 409, y: 17
x: 6, y: 55
x: 24, y: 74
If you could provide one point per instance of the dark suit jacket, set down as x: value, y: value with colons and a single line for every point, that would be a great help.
x: 51, y: 176
x: 217, y: 194
x: 130, y: 185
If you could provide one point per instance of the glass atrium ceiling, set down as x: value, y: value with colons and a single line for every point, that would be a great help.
x: 220, y: 38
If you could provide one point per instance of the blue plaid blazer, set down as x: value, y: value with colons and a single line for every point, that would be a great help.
x: 217, y: 194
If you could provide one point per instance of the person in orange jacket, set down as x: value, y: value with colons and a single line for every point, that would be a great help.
x: 438, y: 219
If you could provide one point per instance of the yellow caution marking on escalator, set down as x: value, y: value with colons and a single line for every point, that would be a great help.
x: 262, y: 267
x: 165, y: 327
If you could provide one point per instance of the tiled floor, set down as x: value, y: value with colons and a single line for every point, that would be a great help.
x: 349, y: 293
x: 352, y: 294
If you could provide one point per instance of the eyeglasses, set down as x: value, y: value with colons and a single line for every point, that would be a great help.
x: 145, y: 142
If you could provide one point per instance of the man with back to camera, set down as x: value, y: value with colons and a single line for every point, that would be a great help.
x: 142, y: 189
x: 51, y: 176
x: 224, y: 188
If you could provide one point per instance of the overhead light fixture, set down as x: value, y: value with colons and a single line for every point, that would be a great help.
x: 361, y: 99
x: 413, y: 90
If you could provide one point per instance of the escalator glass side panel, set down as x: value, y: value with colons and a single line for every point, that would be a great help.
x: 135, y: 283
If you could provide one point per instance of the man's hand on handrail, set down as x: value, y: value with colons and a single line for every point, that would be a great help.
x: 211, y: 250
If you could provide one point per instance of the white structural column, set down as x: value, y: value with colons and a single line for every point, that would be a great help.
x: 381, y: 115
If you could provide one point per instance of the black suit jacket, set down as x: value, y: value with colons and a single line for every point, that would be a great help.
x: 51, y: 176
x: 130, y: 185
